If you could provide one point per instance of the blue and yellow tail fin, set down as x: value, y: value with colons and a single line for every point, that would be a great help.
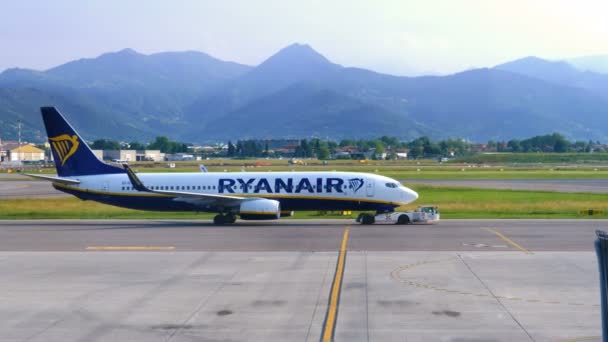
x: 72, y: 155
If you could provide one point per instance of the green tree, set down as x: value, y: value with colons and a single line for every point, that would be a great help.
x: 323, y: 151
x: 134, y: 145
x: 347, y: 142
x: 514, y: 145
x: 560, y: 144
x: 378, y: 148
x: 105, y: 144
x: 231, y: 149
x: 266, y: 149
x: 165, y: 145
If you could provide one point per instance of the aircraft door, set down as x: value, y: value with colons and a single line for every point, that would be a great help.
x: 369, y: 188
x: 105, y: 186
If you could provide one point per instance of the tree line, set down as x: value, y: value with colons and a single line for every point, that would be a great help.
x: 162, y: 143
x: 383, y: 147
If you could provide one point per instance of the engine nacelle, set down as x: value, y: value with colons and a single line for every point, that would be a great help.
x: 260, y: 209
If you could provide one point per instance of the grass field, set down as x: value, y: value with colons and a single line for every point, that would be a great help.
x: 490, y: 203
x: 452, y: 202
x: 392, y: 169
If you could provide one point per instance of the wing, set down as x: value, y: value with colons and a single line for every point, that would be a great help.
x: 191, y: 197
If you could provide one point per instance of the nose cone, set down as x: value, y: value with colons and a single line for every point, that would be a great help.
x: 409, y: 195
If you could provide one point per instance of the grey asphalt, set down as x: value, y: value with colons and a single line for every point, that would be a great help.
x: 459, y: 280
x: 28, y: 189
x: 298, y: 235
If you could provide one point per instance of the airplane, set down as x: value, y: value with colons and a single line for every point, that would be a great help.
x: 249, y: 195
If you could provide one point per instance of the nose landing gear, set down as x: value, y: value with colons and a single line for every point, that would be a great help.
x: 366, y: 219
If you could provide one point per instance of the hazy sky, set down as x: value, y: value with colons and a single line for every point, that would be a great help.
x: 404, y: 37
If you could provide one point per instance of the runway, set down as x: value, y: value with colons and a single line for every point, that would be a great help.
x: 298, y: 235
x: 19, y: 186
x: 14, y: 185
x: 170, y: 280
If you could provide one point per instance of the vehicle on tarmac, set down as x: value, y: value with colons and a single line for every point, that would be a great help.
x: 424, y: 214
x: 249, y: 195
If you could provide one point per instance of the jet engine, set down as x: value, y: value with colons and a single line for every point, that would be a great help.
x: 260, y: 209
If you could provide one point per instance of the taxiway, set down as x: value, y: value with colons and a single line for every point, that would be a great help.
x: 169, y: 280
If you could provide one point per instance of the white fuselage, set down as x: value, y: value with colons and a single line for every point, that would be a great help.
x: 295, y: 190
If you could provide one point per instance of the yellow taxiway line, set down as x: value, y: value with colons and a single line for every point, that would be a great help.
x: 332, y: 310
x: 507, y: 240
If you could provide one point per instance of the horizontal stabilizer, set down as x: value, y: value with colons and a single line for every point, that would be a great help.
x: 54, y: 179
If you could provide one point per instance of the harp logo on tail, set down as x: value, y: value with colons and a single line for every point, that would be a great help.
x: 65, y: 146
x: 355, y: 183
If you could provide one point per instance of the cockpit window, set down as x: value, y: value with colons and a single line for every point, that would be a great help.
x: 392, y: 185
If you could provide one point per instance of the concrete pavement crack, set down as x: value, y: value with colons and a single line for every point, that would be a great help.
x: 496, y: 298
x: 314, y: 312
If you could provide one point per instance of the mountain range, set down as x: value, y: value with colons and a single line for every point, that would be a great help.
x: 298, y: 93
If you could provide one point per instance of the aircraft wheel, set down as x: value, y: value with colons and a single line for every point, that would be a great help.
x: 219, y: 219
x: 403, y: 219
x: 230, y: 218
x: 367, y: 219
x: 360, y: 217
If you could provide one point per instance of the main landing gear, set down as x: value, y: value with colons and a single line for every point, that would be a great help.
x: 224, y: 219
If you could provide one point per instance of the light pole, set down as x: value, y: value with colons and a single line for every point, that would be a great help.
x: 19, y: 141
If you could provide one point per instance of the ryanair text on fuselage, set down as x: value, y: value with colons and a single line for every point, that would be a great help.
x: 287, y: 185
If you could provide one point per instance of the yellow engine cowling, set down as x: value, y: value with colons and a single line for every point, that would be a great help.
x: 260, y: 209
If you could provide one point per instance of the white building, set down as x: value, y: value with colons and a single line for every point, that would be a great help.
x: 150, y: 155
x: 26, y: 152
x: 120, y: 155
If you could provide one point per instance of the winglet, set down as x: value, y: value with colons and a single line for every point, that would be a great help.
x: 135, y: 181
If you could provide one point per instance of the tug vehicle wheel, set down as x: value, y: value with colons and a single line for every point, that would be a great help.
x: 367, y: 219
x: 403, y: 219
